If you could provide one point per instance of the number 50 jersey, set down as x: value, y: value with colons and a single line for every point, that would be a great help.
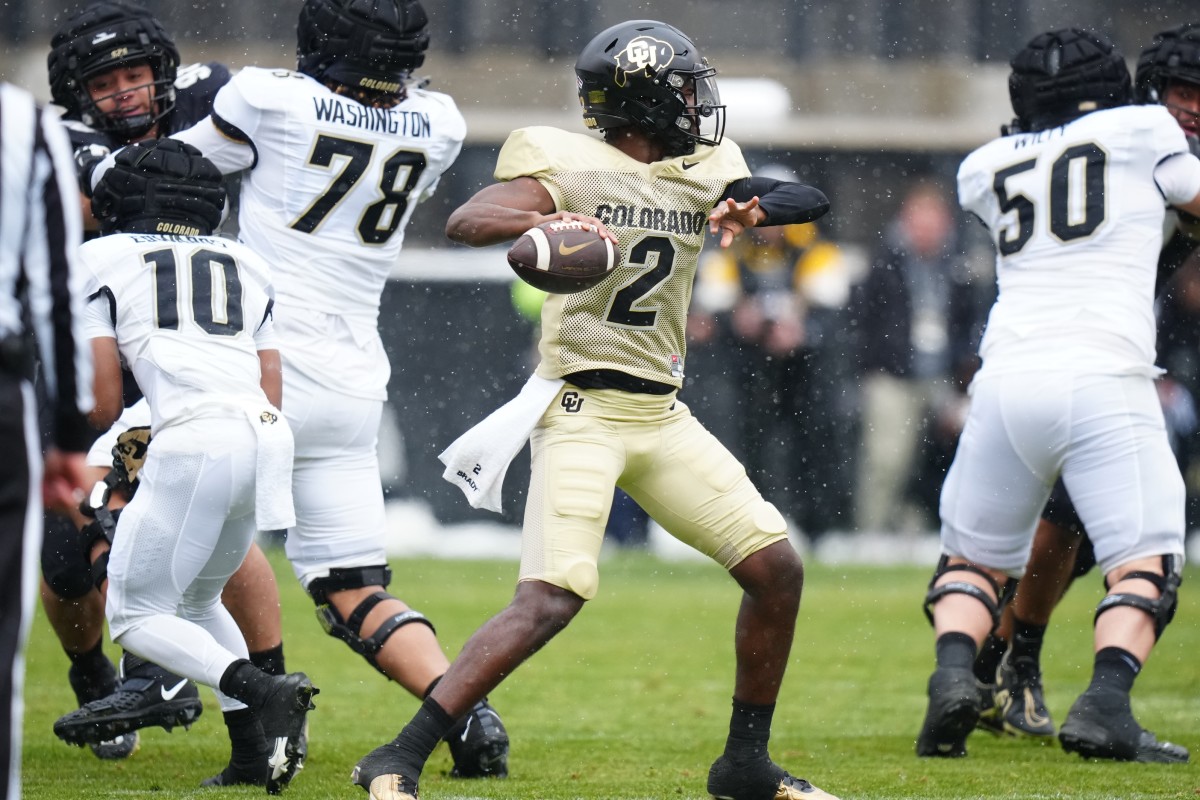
x: 1077, y: 217
x: 330, y: 186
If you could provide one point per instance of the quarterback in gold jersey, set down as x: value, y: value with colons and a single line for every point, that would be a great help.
x: 602, y: 407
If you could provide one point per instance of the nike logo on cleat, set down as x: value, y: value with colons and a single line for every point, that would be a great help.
x: 169, y: 694
x: 466, y: 729
x: 566, y: 251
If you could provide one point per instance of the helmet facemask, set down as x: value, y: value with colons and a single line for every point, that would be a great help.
x: 126, y: 128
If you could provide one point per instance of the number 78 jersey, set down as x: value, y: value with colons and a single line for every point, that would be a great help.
x: 332, y: 182
x: 1077, y: 219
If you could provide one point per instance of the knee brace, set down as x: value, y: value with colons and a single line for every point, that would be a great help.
x: 1162, y: 610
x: 349, y: 630
x: 65, y: 563
x: 994, y: 607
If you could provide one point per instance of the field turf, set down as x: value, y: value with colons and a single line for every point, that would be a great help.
x: 632, y: 700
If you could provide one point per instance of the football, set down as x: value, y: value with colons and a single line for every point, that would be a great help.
x: 562, y: 257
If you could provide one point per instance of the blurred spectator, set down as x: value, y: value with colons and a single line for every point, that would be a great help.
x: 1179, y: 354
x: 916, y: 318
x: 768, y: 303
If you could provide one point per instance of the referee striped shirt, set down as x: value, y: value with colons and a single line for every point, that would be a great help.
x: 40, y: 286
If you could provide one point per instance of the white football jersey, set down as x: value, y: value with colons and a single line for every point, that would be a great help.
x: 1077, y: 219
x: 189, y: 314
x: 331, y: 185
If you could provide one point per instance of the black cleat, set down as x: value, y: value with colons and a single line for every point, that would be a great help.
x: 1021, y: 702
x: 952, y: 713
x: 231, y: 776
x: 89, y: 686
x: 990, y: 719
x: 283, y: 715
x: 1102, y: 726
x: 380, y: 773
x: 760, y: 781
x: 147, y: 696
x: 479, y: 744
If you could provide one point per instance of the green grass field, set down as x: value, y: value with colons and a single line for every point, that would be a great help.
x: 632, y: 700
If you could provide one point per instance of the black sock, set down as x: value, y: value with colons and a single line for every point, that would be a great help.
x: 1027, y: 643
x: 1114, y: 671
x: 248, y: 749
x: 955, y: 649
x: 420, y: 736
x: 91, y: 674
x: 246, y: 682
x: 749, y: 732
x: 988, y: 660
x: 270, y: 660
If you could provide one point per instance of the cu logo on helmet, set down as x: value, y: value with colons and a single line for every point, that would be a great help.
x: 644, y: 52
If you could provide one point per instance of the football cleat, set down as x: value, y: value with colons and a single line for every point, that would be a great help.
x: 380, y: 773
x: 118, y: 748
x: 147, y: 696
x: 92, y: 686
x: 479, y: 744
x: 1102, y: 726
x: 990, y: 719
x: 764, y: 780
x: 952, y: 713
x: 1019, y: 698
x: 283, y: 715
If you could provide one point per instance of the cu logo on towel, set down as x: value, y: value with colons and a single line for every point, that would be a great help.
x: 572, y: 402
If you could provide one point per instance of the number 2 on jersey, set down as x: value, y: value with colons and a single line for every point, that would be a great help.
x: 1077, y: 186
x: 397, y: 179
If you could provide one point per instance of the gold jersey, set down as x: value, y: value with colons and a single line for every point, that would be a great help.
x: 634, y: 320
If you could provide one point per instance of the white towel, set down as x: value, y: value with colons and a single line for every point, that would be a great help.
x: 273, y: 507
x: 477, y: 461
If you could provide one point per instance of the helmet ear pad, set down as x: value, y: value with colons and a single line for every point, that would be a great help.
x: 160, y: 186
x: 1062, y: 75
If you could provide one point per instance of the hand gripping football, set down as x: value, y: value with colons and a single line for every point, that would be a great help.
x: 562, y: 257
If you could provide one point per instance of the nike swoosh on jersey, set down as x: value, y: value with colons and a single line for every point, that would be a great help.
x: 563, y: 250
x: 686, y: 165
x: 169, y: 694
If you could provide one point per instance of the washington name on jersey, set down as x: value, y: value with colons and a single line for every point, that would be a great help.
x: 634, y: 321
x: 1076, y: 217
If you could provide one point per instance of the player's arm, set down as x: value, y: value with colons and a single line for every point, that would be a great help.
x: 1178, y: 178
x: 106, y: 361
x: 751, y: 202
x: 503, y: 211
x: 271, y: 380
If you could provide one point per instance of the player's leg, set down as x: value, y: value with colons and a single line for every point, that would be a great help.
x: 252, y: 597
x: 1133, y: 508
x: 990, y: 505
x: 571, y: 482
x: 691, y: 485
x: 336, y: 550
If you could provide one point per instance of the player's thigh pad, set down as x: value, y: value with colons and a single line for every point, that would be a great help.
x: 1007, y: 459
x: 336, y: 486
x: 191, y: 521
x: 1121, y: 473
x: 577, y: 455
x: 689, y: 483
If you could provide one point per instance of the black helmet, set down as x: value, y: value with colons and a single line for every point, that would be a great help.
x: 160, y: 186
x: 635, y: 73
x: 1063, y: 74
x: 1174, y: 54
x: 371, y: 45
x: 103, y: 36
